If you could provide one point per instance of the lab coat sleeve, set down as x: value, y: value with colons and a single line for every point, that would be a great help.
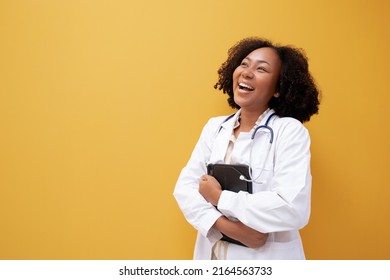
x: 198, y: 212
x: 285, y: 204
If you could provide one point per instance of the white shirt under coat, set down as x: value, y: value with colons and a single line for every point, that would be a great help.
x: 279, y: 205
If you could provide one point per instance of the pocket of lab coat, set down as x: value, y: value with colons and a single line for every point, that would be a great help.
x: 262, y: 177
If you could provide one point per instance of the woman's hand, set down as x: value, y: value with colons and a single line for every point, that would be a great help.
x: 210, y: 189
x: 238, y: 231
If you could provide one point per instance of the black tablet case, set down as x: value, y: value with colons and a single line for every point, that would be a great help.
x: 228, y: 175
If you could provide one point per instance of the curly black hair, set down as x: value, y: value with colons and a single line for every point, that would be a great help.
x: 298, y: 93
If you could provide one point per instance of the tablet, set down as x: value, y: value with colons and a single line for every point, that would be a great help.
x: 228, y: 175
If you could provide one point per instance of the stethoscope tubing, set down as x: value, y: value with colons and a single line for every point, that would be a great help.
x: 271, y: 140
x: 266, y: 126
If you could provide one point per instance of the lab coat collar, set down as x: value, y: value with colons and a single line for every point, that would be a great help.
x: 229, y: 124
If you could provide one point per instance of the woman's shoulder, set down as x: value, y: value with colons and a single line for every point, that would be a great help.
x: 219, y: 120
x: 289, y: 124
x: 288, y: 121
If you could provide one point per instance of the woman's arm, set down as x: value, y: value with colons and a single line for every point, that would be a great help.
x: 238, y: 231
x: 211, y: 190
x: 198, y: 212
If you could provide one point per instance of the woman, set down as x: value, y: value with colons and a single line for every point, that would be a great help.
x: 266, y: 83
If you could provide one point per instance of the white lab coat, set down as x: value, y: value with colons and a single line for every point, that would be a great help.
x: 280, y: 205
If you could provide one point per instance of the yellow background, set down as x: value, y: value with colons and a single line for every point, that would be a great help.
x: 102, y: 102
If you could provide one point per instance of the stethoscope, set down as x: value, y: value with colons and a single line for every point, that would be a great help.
x: 271, y: 139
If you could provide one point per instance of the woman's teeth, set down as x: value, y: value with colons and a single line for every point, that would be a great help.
x: 245, y: 86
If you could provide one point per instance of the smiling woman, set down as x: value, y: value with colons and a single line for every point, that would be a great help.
x: 255, y: 79
x: 274, y: 92
x: 298, y: 92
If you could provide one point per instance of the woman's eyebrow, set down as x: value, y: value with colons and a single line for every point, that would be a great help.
x: 259, y: 60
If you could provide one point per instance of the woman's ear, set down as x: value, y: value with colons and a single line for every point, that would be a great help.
x: 276, y: 95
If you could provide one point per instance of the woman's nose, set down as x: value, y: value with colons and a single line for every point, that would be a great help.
x: 247, y: 74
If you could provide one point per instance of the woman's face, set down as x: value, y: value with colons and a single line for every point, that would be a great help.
x: 255, y: 79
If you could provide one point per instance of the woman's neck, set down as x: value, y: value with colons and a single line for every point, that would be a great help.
x: 247, y: 121
x: 249, y: 118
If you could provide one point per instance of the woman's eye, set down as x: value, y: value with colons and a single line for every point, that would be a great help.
x: 262, y: 69
x: 245, y: 64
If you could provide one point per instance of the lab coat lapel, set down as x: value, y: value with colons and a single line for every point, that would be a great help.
x: 222, y: 140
